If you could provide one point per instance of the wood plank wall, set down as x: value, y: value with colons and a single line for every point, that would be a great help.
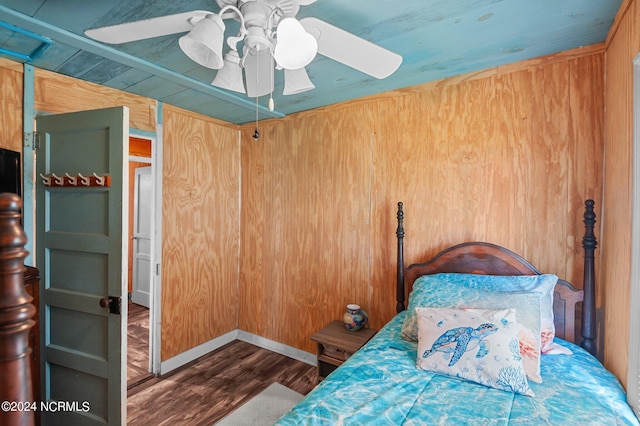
x: 623, y: 44
x: 506, y: 156
x: 201, y: 181
x: 306, y: 222
x: 57, y: 93
x: 200, y: 230
x: 11, y: 83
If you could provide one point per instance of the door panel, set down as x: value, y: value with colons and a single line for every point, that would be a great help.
x: 81, y: 253
x: 142, y: 221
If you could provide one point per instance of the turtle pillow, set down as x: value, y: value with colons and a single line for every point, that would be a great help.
x: 477, y: 345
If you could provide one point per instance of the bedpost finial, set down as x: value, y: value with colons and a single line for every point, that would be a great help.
x: 10, y: 215
x: 589, y: 240
x: 400, y: 216
x: 400, y: 262
x: 589, y: 209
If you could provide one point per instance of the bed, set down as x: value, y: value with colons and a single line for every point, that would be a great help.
x: 459, y: 352
x: 16, y: 316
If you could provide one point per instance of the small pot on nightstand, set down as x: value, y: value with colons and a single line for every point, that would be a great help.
x: 355, y: 318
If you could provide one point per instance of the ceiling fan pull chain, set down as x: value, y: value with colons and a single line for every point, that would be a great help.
x: 256, y: 134
x: 271, y: 103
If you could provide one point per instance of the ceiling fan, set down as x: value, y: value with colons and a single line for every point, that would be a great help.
x: 272, y: 38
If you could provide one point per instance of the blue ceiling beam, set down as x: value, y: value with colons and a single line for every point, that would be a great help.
x: 45, y: 42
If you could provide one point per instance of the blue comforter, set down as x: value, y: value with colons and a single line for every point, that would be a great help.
x: 380, y: 385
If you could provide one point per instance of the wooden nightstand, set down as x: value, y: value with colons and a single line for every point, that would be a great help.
x: 336, y: 344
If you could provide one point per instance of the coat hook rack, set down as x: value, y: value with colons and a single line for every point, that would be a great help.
x: 76, y: 181
x: 73, y: 180
x: 46, y: 180
x: 84, y: 180
x: 99, y: 179
x: 57, y: 179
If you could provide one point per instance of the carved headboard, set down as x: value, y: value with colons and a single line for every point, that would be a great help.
x: 491, y: 259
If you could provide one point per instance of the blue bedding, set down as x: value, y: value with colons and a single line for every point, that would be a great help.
x: 380, y: 385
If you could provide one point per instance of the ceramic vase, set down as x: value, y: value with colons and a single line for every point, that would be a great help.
x: 355, y: 318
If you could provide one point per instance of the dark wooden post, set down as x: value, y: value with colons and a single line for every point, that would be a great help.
x: 589, y: 243
x: 400, y: 273
x: 16, y: 313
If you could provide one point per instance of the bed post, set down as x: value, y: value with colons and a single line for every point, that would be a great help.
x: 16, y: 313
x: 400, y: 275
x: 589, y: 243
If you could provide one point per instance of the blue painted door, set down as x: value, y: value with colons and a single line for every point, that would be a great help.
x: 81, y: 253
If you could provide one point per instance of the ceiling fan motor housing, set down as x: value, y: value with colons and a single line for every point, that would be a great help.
x: 255, y: 15
x: 288, y: 7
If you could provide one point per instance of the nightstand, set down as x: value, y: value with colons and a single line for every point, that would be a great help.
x: 336, y: 344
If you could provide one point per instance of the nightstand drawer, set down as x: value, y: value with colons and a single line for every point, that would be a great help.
x: 336, y: 344
x: 333, y: 352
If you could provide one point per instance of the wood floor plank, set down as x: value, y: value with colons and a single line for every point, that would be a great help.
x: 208, y: 389
x: 137, y: 344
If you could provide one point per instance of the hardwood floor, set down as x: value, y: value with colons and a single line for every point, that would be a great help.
x: 209, y: 388
x: 137, y: 344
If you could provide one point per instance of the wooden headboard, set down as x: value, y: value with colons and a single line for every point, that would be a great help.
x: 491, y: 259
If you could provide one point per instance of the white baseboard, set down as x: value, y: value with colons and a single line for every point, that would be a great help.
x: 203, y: 349
x: 277, y: 347
x: 195, y: 353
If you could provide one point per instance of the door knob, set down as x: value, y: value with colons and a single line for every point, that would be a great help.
x: 111, y: 302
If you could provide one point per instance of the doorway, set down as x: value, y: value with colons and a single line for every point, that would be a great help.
x: 140, y: 276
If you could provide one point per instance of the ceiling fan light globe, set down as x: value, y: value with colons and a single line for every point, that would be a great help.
x: 296, y: 81
x: 230, y: 75
x: 295, y: 47
x: 203, y: 44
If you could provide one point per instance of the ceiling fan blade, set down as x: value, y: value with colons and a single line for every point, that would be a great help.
x: 351, y: 50
x: 147, y: 28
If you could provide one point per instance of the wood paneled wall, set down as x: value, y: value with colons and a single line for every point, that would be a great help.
x: 507, y: 159
x: 306, y: 222
x: 623, y: 45
x: 11, y: 83
x: 506, y: 156
x: 200, y: 230
x: 276, y: 236
x: 201, y: 209
x: 57, y: 93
